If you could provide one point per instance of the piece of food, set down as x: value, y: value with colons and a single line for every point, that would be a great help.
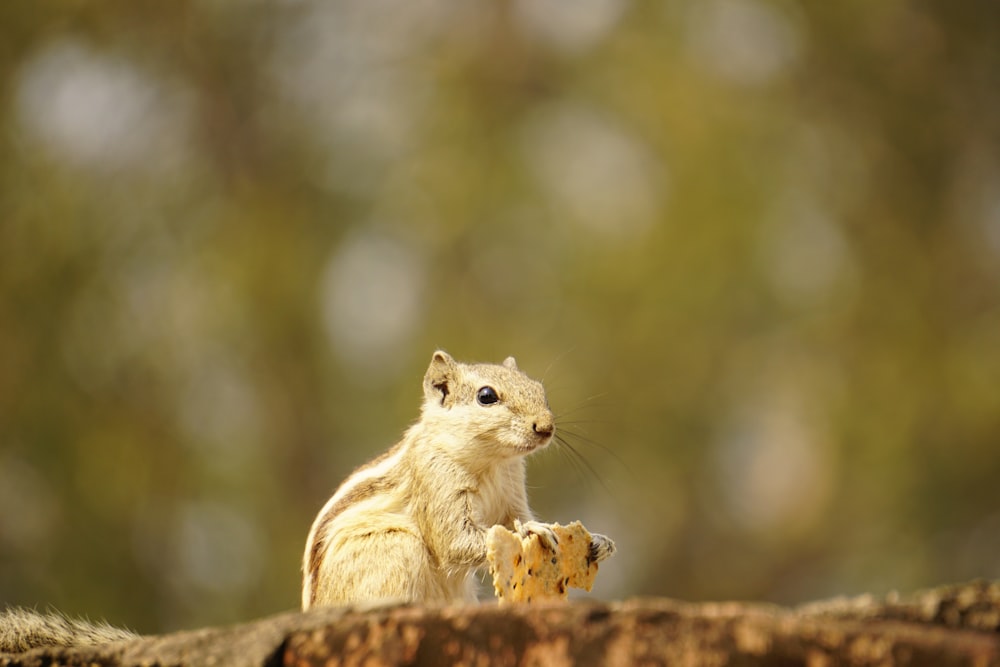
x: 525, y: 569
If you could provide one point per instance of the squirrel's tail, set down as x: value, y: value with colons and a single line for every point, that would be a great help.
x: 23, y: 629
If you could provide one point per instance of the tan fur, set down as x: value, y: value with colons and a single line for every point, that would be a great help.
x: 411, y: 524
x: 23, y: 629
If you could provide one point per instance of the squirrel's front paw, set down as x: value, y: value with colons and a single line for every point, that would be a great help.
x: 545, y: 533
x: 601, y: 547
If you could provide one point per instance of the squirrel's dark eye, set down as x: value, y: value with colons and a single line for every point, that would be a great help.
x: 487, y: 396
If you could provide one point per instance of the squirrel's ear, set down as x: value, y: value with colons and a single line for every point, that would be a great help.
x: 440, y: 374
x: 510, y: 363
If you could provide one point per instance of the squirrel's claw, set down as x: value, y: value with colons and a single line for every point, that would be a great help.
x: 545, y: 534
x: 601, y: 547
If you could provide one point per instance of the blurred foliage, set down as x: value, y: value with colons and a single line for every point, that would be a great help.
x: 752, y: 247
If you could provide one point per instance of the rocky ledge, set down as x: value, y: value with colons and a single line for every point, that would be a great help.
x: 948, y: 625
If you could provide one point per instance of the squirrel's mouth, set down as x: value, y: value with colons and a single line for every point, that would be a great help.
x: 531, y: 444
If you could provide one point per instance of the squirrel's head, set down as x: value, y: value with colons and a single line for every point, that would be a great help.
x: 496, y: 405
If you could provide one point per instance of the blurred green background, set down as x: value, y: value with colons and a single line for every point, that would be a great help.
x: 751, y: 246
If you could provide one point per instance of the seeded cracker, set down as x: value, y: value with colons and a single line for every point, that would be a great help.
x: 524, y: 569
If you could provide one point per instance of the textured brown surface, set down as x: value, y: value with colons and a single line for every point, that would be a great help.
x: 952, y: 625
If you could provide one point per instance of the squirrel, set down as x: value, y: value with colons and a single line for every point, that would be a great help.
x: 411, y: 524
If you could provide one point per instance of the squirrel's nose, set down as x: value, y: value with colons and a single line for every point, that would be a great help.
x: 544, y: 426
